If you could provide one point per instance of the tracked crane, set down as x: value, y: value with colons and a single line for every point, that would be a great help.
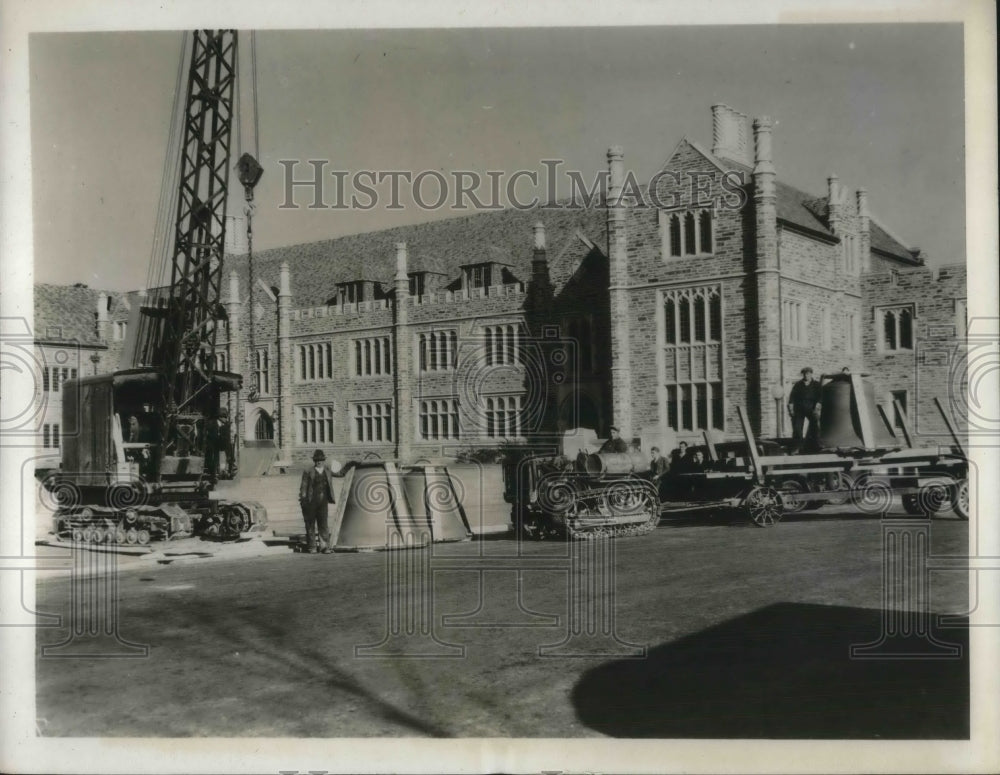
x: 143, y: 447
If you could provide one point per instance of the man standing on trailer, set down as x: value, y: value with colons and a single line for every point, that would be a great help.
x: 315, y: 494
x: 804, y: 404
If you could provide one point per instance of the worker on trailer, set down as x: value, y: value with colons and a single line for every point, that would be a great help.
x: 680, y: 461
x: 614, y: 444
x: 803, y: 405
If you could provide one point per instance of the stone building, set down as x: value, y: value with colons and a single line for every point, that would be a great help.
x: 660, y: 309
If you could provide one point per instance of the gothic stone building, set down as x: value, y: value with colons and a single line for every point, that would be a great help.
x: 660, y: 310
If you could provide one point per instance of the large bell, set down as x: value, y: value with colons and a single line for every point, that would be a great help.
x: 376, y: 514
x: 431, y: 494
x: 850, y: 418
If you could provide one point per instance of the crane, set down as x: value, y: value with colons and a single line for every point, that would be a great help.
x: 142, y: 447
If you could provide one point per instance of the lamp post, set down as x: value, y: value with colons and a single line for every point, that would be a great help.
x: 95, y: 359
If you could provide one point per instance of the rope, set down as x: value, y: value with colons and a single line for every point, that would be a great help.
x: 248, y: 195
x: 256, y: 112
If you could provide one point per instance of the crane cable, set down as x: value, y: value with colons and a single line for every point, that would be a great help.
x: 248, y: 210
x: 167, y: 199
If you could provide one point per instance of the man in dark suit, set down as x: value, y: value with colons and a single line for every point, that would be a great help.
x: 315, y: 494
x: 680, y: 461
x: 804, y: 404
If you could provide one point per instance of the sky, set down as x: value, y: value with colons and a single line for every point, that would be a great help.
x: 881, y: 106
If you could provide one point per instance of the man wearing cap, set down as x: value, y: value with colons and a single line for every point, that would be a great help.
x: 315, y: 493
x: 804, y: 403
x: 615, y: 444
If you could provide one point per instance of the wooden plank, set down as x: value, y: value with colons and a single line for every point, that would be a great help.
x: 755, y: 466
x: 867, y: 432
x: 904, y: 421
x: 886, y: 421
x: 951, y: 428
x: 338, y: 517
x: 710, y: 445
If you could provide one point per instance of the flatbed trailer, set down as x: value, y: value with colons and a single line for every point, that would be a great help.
x: 765, y: 487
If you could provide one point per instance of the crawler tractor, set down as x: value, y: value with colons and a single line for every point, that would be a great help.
x: 593, y: 495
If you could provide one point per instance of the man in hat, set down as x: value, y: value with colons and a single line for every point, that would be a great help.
x: 315, y: 493
x: 615, y: 444
x: 804, y: 404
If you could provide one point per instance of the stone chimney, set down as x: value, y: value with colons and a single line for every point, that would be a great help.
x: 102, y: 316
x: 539, y: 260
x: 401, y: 269
x: 835, y: 205
x: 540, y: 289
x: 864, y: 230
x: 768, y: 329
x: 403, y: 348
x: 621, y: 382
x: 731, y: 134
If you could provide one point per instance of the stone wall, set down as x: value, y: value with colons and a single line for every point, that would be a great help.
x: 934, y: 367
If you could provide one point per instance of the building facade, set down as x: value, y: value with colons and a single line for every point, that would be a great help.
x: 660, y: 310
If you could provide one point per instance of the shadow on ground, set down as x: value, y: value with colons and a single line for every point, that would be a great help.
x: 780, y: 672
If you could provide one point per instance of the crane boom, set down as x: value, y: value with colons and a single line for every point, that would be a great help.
x: 147, y: 440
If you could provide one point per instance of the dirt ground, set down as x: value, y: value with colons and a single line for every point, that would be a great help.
x: 702, y: 630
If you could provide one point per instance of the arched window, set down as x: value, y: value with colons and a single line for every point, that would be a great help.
x: 263, y: 429
x: 700, y: 323
x: 690, y: 246
x: 675, y: 235
x: 715, y: 317
x: 691, y: 366
x: 905, y: 330
x: 889, y: 330
x: 705, y: 227
x: 685, y: 321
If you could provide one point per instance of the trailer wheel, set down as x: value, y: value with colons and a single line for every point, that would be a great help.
x: 764, y: 506
x: 793, y: 486
x: 960, y: 498
x: 844, y: 483
x: 871, y: 495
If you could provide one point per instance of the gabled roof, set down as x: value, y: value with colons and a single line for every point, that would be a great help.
x: 444, y: 246
x: 884, y: 242
x: 808, y: 211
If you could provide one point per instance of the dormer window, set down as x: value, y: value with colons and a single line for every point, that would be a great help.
x: 418, y: 283
x: 352, y: 293
x: 478, y: 276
